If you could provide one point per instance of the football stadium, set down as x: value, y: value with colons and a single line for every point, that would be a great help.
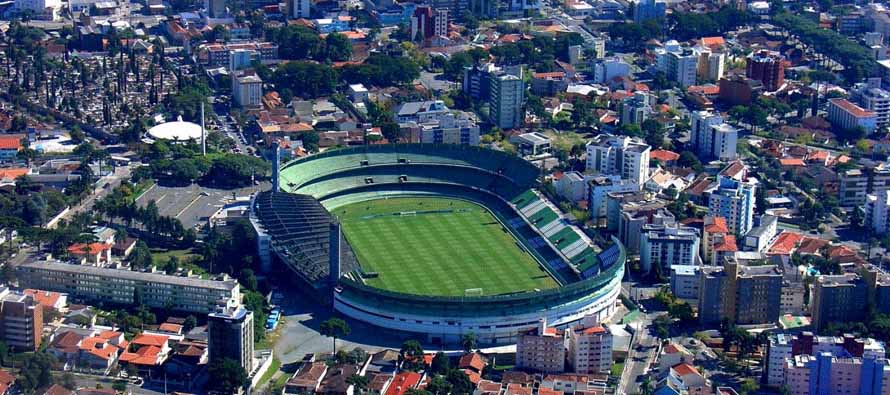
x: 438, y: 240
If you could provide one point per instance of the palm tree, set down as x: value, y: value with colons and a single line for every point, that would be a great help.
x: 334, y: 328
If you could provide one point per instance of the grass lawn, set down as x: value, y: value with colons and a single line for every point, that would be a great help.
x: 273, y: 368
x: 617, y: 368
x: 185, y: 258
x: 449, y: 246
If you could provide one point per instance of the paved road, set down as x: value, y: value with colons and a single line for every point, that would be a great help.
x: 104, y: 186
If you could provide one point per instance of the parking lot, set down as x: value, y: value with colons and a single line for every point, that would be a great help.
x: 193, y: 204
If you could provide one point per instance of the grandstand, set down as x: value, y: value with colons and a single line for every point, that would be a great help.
x: 587, y: 277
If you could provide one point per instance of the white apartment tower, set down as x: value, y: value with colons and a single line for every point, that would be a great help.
x: 623, y: 156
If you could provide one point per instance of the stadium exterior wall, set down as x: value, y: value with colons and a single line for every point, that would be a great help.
x: 490, y: 325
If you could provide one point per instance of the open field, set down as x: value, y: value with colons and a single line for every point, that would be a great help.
x: 444, y: 248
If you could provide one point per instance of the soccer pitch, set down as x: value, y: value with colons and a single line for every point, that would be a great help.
x: 447, y: 247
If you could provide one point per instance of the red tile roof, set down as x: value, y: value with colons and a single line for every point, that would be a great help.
x: 13, y: 173
x: 664, y: 155
x: 785, y: 243
x: 145, y: 355
x: 402, y: 383
x: 851, y: 108
x: 593, y: 330
x: 44, y: 298
x: 792, y: 162
x: 66, y: 342
x: 99, y: 348
x: 150, y: 339
x: 811, y: 245
x: 88, y: 249
x: 550, y: 75
x: 548, y: 391
x: 168, y: 327
x: 727, y: 245
x: 56, y: 389
x: 474, y: 377
x: 713, y: 42
x: 516, y: 389
x: 718, y: 225
x: 472, y: 361
x: 684, y: 368
x: 6, y: 378
x: 11, y: 141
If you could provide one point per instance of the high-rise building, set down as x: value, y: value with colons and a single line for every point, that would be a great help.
x: 542, y: 350
x: 644, y: 10
x: 733, y: 200
x: 870, y: 96
x: 502, y: 88
x: 440, y: 22
x: 21, y: 321
x: 846, y: 115
x: 456, y: 8
x: 741, y: 294
x: 506, y: 100
x: 877, y: 212
x: 301, y: 9
x: 710, y: 63
x: 838, y: 298
x: 589, y: 349
x: 852, y: 188
x: 668, y: 244
x: 711, y: 137
x: 600, y: 187
x: 636, y: 109
x: 783, y: 347
x: 230, y: 335
x: 623, y: 156
x: 827, y: 374
x: 247, y: 90
x: 768, y: 68
x: 679, y: 63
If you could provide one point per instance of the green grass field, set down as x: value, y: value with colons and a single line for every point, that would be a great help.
x: 439, y: 253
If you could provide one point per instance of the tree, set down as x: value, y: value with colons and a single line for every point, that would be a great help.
x: 140, y: 257
x: 190, y: 323
x: 226, y: 376
x: 391, y: 131
x: 306, y: 79
x: 359, y: 382
x: 68, y: 381
x: 654, y: 133
x: 334, y: 328
x: 439, y: 386
x: 412, y: 354
x: 468, y: 341
x: 310, y: 140
x: 35, y: 372
x: 338, y: 47
x: 460, y: 382
x: 440, y: 363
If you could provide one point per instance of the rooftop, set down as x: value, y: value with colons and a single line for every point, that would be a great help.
x: 83, y: 270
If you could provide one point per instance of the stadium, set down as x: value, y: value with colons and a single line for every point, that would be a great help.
x: 439, y: 240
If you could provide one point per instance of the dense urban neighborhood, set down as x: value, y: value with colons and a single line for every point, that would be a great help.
x: 434, y: 197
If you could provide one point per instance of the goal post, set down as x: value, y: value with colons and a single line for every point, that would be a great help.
x: 473, y: 292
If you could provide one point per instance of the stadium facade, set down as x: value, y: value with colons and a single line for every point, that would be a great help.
x: 295, y: 223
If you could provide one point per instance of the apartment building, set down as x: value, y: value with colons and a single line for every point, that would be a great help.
x: 838, y: 298
x: 740, y: 294
x: 846, y: 115
x: 599, y: 187
x: 623, y: 156
x: 589, y: 349
x: 711, y: 137
x: 542, y: 350
x: 733, y: 200
x: 679, y: 63
x: 124, y: 287
x: 768, y: 68
x: 217, y: 55
x: 870, y: 96
x: 247, y: 90
x: 230, y: 335
x: 667, y: 244
x: 827, y: 374
x: 784, y: 346
x: 21, y: 321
